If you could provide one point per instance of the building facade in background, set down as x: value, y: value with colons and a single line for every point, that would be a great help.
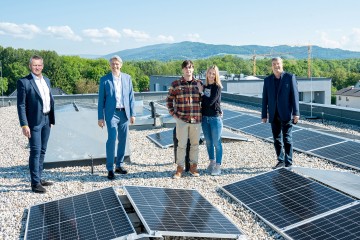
x: 311, y: 90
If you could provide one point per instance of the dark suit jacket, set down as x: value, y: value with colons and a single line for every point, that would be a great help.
x: 30, y: 104
x: 286, y: 100
x: 107, y: 98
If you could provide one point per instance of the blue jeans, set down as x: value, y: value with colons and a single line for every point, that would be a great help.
x: 212, y: 129
x: 117, y: 126
x: 38, y: 144
x: 282, y: 135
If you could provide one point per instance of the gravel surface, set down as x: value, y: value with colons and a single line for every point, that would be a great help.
x: 150, y: 166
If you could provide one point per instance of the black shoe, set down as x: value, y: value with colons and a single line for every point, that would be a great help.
x: 46, y: 183
x: 111, y: 175
x: 120, y: 170
x: 279, y: 165
x: 288, y: 164
x: 38, y: 188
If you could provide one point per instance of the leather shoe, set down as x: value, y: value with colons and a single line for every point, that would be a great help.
x: 121, y: 170
x: 111, y: 175
x: 38, y: 188
x: 46, y: 183
x: 279, y: 165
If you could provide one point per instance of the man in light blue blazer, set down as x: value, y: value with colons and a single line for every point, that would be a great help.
x: 280, y: 104
x: 116, y: 108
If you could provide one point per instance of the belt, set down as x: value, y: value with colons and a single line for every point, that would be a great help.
x: 47, y: 113
x: 120, y: 109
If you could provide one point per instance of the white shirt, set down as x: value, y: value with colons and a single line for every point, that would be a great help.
x: 44, y: 92
x: 118, y: 91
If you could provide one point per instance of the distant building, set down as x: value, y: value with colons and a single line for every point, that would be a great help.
x: 349, y: 97
x: 315, y: 90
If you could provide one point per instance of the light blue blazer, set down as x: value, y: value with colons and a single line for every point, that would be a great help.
x: 107, y: 98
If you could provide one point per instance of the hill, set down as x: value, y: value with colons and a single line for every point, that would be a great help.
x: 196, y: 50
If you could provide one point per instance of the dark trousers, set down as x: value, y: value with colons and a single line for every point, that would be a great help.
x: 38, y: 144
x: 282, y: 135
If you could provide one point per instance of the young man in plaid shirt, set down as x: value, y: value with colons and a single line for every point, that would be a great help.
x: 184, y: 104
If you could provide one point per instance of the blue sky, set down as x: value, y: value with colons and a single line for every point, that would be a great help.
x: 103, y: 27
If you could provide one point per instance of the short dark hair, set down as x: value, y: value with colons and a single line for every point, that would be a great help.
x: 186, y: 63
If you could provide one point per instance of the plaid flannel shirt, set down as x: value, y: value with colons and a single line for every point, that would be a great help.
x: 184, y: 100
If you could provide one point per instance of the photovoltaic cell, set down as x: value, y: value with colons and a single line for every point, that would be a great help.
x: 179, y: 212
x: 261, y: 130
x: 306, y: 140
x: 162, y: 139
x: 346, y: 153
x: 241, y: 121
x: 94, y: 215
x: 282, y: 198
x: 344, y: 224
x: 230, y: 114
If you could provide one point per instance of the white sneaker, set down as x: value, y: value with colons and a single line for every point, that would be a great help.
x: 211, y: 166
x: 216, y: 171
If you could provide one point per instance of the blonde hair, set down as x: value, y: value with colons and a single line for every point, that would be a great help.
x: 217, y: 76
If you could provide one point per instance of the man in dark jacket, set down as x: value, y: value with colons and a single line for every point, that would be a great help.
x: 35, y: 105
x: 280, y: 104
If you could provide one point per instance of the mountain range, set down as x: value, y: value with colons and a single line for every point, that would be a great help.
x: 196, y: 50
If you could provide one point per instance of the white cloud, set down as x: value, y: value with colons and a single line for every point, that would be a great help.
x: 137, y: 35
x: 103, y: 35
x: 349, y: 41
x: 193, y: 37
x: 27, y: 31
x: 63, y: 32
x: 165, y: 39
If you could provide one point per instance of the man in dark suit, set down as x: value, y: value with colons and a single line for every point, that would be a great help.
x: 280, y: 103
x: 35, y: 105
x: 116, y: 107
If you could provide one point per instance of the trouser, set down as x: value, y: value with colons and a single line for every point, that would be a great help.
x: 117, y: 126
x: 282, y: 135
x: 38, y: 144
x: 187, y: 159
x: 184, y: 132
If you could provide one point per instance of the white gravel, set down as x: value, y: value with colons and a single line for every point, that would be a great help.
x: 151, y: 166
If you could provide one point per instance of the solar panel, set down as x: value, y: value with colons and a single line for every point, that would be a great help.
x: 260, y: 130
x: 162, y: 139
x: 94, y: 215
x: 241, y: 121
x: 344, y: 224
x: 282, y: 198
x: 179, y: 212
x: 230, y: 114
x: 346, y: 153
x: 231, y: 135
x: 306, y: 140
x: 165, y: 139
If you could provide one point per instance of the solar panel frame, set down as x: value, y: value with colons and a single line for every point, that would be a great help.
x: 241, y: 121
x: 342, y: 224
x: 305, y: 140
x: 272, y: 197
x: 339, y: 153
x: 169, y: 212
x: 86, y: 216
x: 163, y: 139
x: 227, y: 114
x: 260, y: 130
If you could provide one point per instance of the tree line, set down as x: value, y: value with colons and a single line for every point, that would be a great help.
x: 76, y: 75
